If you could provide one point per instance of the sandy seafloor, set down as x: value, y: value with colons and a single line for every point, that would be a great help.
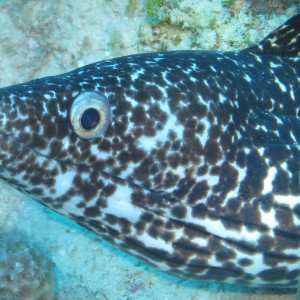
x: 40, y: 38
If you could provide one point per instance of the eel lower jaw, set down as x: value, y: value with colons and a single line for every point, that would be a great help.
x: 16, y: 156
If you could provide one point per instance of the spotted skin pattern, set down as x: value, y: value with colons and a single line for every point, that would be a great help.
x: 198, y: 171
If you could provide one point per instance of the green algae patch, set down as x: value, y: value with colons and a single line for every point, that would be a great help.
x: 152, y: 8
x: 228, y: 3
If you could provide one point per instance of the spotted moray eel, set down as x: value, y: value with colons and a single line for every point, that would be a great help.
x: 188, y: 160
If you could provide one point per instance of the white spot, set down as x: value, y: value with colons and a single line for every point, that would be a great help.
x: 247, y: 78
x: 222, y: 98
x: 64, y: 182
x: 201, y: 242
x: 268, y: 186
x: 156, y: 243
x: 99, y: 154
x: 120, y: 207
x: 292, y: 95
x: 269, y: 219
x: 288, y: 200
x: 213, y: 69
x: 257, y: 266
x: 281, y: 85
x: 274, y: 65
x: 137, y: 74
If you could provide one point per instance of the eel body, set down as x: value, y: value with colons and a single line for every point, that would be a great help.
x: 188, y: 160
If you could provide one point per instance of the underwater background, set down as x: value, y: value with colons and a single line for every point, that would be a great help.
x: 42, y: 38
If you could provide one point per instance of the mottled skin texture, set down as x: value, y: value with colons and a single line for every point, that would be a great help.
x: 198, y: 171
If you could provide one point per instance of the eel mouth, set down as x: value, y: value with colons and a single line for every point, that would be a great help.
x: 12, y: 152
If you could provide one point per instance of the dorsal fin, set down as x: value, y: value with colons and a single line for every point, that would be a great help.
x: 283, y: 41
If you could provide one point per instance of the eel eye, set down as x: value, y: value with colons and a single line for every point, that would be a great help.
x: 90, y: 115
